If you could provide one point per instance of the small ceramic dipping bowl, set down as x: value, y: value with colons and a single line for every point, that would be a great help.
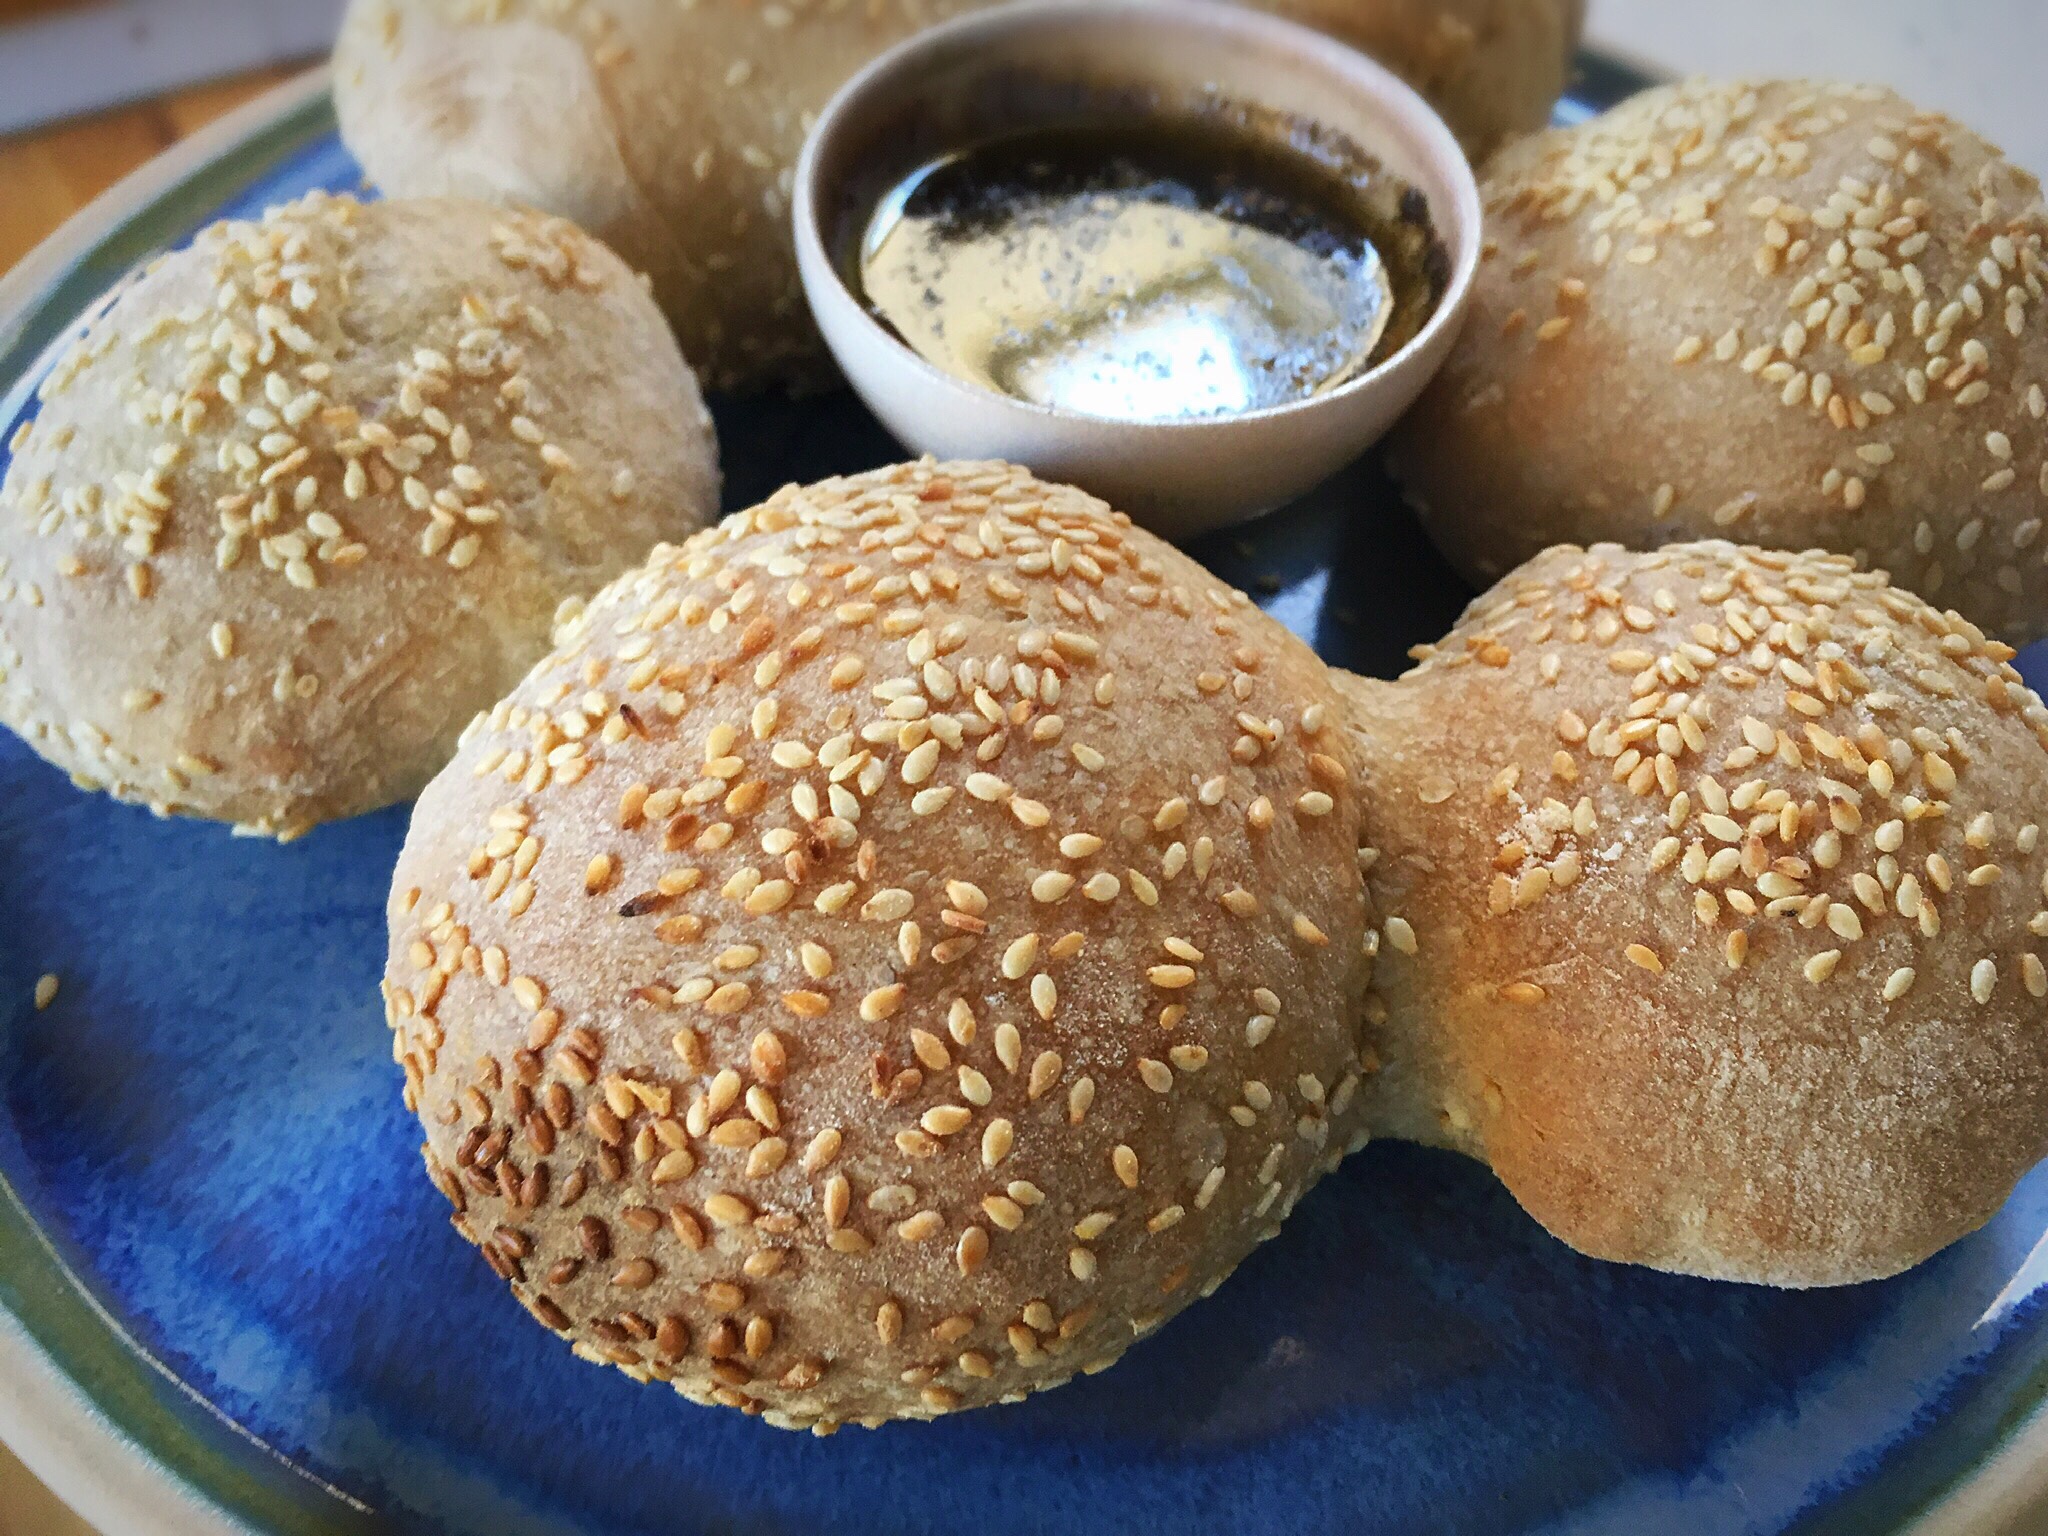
x: 1047, y: 63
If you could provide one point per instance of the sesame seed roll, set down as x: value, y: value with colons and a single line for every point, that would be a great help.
x: 1791, y: 314
x: 672, y: 130
x: 1713, y: 904
x: 939, y: 972
x: 307, y: 492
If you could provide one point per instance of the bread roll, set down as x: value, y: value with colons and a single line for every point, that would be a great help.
x: 923, y: 963
x: 308, y: 492
x: 1493, y: 69
x: 1714, y: 901
x: 672, y: 130
x: 1792, y: 314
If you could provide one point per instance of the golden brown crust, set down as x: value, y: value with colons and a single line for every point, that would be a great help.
x: 1714, y: 903
x: 924, y: 966
x: 307, y: 495
x: 671, y: 131
x: 1791, y: 314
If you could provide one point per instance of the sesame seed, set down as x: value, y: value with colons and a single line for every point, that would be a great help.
x: 1983, y: 980
x: 1044, y: 995
x: 1019, y: 957
x: 922, y: 1227
x: 946, y: 1119
x: 728, y: 1210
x: 1051, y: 886
x: 882, y: 1003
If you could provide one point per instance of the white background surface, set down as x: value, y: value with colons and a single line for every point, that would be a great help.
x: 1982, y: 61
x: 79, y: 59
x: 1985, y: 61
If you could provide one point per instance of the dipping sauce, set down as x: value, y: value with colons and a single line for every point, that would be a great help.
x: 1153, y: 269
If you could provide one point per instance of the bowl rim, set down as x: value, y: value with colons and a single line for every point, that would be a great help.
x: 1415, y: 116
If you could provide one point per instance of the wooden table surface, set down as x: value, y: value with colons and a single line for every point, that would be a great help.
x: 27, y: 1509
x: 48, y: 175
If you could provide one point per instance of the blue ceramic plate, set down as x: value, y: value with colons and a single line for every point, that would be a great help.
x: 216, y: 1243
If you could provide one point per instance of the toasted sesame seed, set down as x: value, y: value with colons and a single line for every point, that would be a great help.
x: 728, y: 1210
x: 922, y: 1227
x: 882, y: 1003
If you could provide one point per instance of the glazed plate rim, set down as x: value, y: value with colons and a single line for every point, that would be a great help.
x: 51, y: 1423
x: 90, y: 1454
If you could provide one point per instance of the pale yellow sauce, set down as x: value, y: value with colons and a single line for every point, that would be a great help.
x: 1117, y: 306
x: 1151, y: 269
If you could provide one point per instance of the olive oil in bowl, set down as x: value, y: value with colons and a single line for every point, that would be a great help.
x: 1153, y: 269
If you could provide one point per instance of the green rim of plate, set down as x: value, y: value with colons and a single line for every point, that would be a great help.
x: 143, y: 1400
x: 192, y: 200
x: 139, y: 1397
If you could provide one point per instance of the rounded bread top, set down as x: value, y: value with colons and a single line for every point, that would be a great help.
x: 306, y: 494
x: 1717, y: 897
x: 1790, y: 314
x: 930, y: 957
